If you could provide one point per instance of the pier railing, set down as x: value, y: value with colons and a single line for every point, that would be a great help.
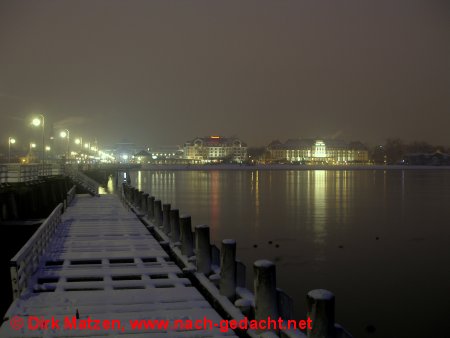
x: 83, y: 180
x: 221, y: 276
x: 15, y: 173
x: 26, y: 261
x: 71, y: 195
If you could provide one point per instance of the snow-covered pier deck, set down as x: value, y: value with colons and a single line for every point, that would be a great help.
x: 100, y: 263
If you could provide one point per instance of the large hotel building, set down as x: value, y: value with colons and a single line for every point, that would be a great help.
x: 215, y: 149
x: 318, y: 151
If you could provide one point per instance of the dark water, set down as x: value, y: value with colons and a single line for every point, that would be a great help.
x: 326, y: 224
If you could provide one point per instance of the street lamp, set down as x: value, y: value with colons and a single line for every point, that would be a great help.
x: 87, y: 145
x: 79, y: 141
x: 38, y: 121
x: 66, y: 134
x: 11, y: 140
x: 32, y: 146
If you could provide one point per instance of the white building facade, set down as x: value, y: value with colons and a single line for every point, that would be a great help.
x: 318, y: 151
x: 215, y: 149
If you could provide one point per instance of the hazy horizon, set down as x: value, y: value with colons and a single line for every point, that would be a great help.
x: 163, y: 72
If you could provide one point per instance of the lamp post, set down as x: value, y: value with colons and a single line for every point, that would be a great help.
x: 32, y: 146
x: 79, y: 141
x: 11, y: 140
x: 66, y: 134
x: 37, y: 122
x: 87, y: 145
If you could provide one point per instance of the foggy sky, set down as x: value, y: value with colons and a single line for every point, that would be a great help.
x: 164, y: 72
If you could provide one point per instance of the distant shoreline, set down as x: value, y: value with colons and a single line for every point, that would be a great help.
x: 204, y: 167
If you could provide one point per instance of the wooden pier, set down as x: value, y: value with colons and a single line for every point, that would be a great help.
x: 103, y: 263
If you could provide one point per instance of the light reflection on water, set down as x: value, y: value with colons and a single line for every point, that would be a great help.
x: 326, y: 224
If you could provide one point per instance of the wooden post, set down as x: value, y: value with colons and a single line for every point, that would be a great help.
x: 186, y: 236
x: 133, y: 195
x: 320, y: 309
x: 136, y: 197
x: 130, y: 194
x: 228, y: 269
x: 53, y: 192
x: 203, y: 249
x: 151, y: 208
x: 144, y: 204
x: 166, y: 218
x: 265, y: 290
x: 158, y: 213
x: 12, y: 206
x: 174, y: 225
x: 140, y: 195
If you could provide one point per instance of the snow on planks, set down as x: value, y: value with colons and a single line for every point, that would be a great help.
x: 104, y: 263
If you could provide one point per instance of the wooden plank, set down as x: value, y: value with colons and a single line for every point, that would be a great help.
x: 103, y: 262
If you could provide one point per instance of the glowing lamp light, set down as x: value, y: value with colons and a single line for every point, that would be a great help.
x: 36, y: 122
x: 63, y: 134
x: 215, y: 137
x: 12, y: 140
x: 47, y: 148
x: 86, y: 145
x: 77, y: 141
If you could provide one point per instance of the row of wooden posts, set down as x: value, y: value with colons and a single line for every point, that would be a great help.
x: 228, y: 274
x: 32, y: 200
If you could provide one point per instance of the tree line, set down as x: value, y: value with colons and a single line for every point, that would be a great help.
x: 394, y: 150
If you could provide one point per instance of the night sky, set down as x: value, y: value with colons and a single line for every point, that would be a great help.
x: 164, y: 72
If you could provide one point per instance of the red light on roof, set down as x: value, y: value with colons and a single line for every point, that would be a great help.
x: 215, y: 137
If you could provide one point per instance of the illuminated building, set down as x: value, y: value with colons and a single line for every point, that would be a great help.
x: 215, y: 149
x: 166, y: 152
x: 124, y: 152
x: 142, y: 157
x: 318, y: 151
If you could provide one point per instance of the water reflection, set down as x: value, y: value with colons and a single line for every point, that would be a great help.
x: 316, y: 182
x: 255, y: 191
x: 309, y: 199
x: 109, y: 188
x: 139, y: 180
x: 215, y: 198
x: 110, y: 185
x: 374, y: 214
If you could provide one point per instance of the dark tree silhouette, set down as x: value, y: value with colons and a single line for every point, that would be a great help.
x: 395, y: 150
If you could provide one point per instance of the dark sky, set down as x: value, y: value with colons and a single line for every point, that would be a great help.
x: 164, y: 72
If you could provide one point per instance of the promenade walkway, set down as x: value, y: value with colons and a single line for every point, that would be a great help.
x: 102, y: 263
